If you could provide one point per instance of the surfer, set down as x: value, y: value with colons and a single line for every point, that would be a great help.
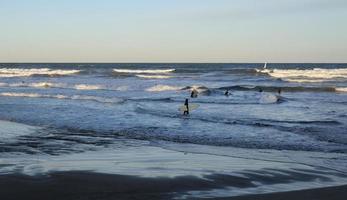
x: 186, y: 111
x: 260, y: 90
x: 226, y: 93
x: 279, y: 98
x: 194, y: 93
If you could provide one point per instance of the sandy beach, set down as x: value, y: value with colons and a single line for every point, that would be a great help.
x: 88, y: 185
x: 139, y: 169
x: 115, y: 132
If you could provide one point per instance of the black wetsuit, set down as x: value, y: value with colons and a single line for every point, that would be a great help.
x: 186, y: 112
x: 194, y: 94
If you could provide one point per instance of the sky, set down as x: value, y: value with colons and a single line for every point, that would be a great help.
x: 173, y: 31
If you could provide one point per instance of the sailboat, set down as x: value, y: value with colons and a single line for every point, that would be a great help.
x: 264, y: 69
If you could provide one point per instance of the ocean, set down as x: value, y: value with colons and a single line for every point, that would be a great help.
x: 99, y: 114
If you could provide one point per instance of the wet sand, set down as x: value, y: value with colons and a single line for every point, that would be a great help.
x: 136, y: 169
x: 91, y: 185
x: 329, y: 193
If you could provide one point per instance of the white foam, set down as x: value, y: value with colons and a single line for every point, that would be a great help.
x: 42, y: 84
x: 198, y: 88
x: 20, y: 94
x: 3, y: 84
x: 88, y: 87
x: 303, y: 80
x: 63, y: 85
x: 267, y: 98
x: 11, y: 129
x: 18, y: 72
x: 161, y: 88
x: 147, y: 71
x: 122, y: 88
x: 59, y: 96
x: 341, y: 89
x: 37, y: 85
x: 306, y: 75
x: 154, y: 76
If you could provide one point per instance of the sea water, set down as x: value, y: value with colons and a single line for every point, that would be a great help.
x: 79, y: 108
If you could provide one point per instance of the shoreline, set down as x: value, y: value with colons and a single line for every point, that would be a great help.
x: 92, y: 185
x: 327, y: 193
x: 137, y: 169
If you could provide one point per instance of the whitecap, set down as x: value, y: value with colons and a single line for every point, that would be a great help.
x: 267, y: 98
x: 154, y: 76
x: 20, y: 94
x: 88, y: 87
x: 19, y: 72
x: 306, y: 75
x: 41, y: 84
x: 145, y: 71
x: 341, y: 89
x: 161, y: 88
x: 60, y: 96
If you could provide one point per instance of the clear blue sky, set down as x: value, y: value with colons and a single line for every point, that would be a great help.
x: 173, y: 30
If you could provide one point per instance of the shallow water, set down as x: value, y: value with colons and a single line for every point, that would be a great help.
x: 113, y: 98
x: 77, y: 111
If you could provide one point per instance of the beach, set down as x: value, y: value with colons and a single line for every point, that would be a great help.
x: 88, y: 185
x: 116, y: 131
x: 137, y: 169
x: 179, y: 99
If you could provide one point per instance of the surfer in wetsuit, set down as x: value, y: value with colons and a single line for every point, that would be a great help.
x: 279, y: 99
x: 226, y: 93
x: 194, y: 93
x: 186, y: 111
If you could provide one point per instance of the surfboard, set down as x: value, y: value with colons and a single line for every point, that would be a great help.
x: 191, y: 107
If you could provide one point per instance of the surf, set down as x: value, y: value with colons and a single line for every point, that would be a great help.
x: 162, y: 88
x: 61, y: 96
x: 306, y: 75
x: 20, y: 72
x: 144, y: 71
x: 154, y: 76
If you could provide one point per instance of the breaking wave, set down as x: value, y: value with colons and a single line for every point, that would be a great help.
x: 18, y: 72
x: 147, y: 71
x: 88, y: 87
x: 65, y: 86
x: 306, y: 75
x: 154, y: 76
x: 161, y: 88
x: 341, y: 89
x: 283, y: 89
x: 200, y: 89
x: 59, y: 96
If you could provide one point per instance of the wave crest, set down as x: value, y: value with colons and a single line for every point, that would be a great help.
x: 145, y: 71
x: 161, y: 88
x: 341, y: 89
x: 88, y: 87
x: 18, y: 72
x: 60, y: 96
x: 154, y: 76
x: 306, y: 75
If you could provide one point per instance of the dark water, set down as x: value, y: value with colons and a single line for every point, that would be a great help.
x: 92, y: 104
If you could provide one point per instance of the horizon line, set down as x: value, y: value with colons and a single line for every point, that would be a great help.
x: 172, y: 62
